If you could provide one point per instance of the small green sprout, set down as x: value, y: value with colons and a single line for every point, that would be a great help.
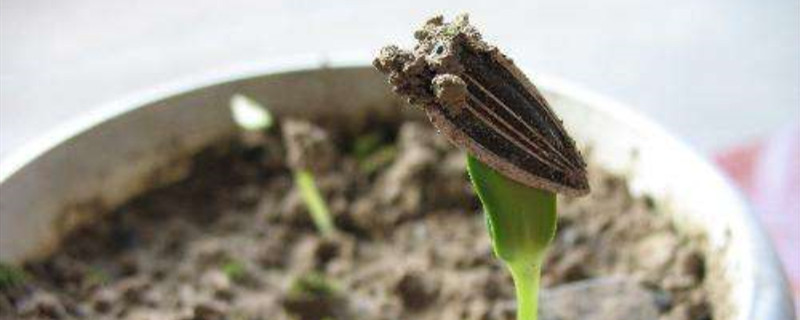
x: 316, y: 205
x: 378, y: 159
x: 522, y: 223
x: 235, y: 270
x: 314, y: 284
x: 520, y: 155
x: 373, y: 151
x: 309, y: 151
x: 11, y: 276
x: 367, y: 144
x: 98, y: 276
x: 253, y: 116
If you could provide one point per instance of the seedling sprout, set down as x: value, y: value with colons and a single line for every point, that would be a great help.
x: 519, y: 155
x: 11, y: 276
x: 304, y: 180
x: 255, y: 117
x: 233, y: 269
x: 522, y: 223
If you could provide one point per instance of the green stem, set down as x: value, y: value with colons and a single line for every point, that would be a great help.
x: 526, y: 285
x: 314, y: 201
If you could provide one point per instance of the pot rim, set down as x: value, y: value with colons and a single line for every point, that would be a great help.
x: 29, y: 151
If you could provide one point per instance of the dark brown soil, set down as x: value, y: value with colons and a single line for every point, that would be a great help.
x: 233, y: 241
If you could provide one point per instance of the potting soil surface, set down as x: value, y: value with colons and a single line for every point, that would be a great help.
x: 233, y: 240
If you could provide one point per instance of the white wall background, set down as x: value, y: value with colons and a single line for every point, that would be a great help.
x: 715, y: 72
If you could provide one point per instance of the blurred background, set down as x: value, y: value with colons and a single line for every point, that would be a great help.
x: 723, y: 75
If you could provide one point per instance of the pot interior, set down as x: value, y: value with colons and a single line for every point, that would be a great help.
x: 108, y: 161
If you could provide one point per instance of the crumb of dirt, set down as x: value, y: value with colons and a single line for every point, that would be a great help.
x: 308, y: 147
x: 163, y: 255
x: 450, y: 90
x: 416, y: 290
x: 208, y: 311
x: 42, y: 304
x: 411, y: 73
x: 603, y: 298
x: 401, y: 191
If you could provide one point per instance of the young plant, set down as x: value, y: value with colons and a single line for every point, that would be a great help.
x: 520, y: 156
x: 233, y: 269
x: 522, y: 223
x: 11, y: 276
x: 255, y: 118
x: 309, y: 151
x: 304, y: 180
x: 373, y: 151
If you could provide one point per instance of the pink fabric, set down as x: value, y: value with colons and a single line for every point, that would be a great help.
x: 769, y: 172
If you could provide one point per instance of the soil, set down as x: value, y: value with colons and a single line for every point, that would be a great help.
x: 233, y: 241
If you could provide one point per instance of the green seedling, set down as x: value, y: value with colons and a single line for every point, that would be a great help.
x: 313, y: 284
x: 11, y: 277
x: 98, y: 276
x: 309, y: 152
x: 520, y: 155
x: 522, y: 223
x: 373, y: 151
x: 367, y: 144
x: 378, y: 159
x: 253, y: 116
x: 317, y: 207
x: 233, y: 269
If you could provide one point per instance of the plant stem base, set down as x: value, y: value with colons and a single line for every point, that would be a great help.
x: 526, y: 285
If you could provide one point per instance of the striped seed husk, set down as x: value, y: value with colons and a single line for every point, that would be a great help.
x: 483, y: 103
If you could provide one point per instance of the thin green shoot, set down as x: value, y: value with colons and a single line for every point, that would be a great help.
x: 96, y: 275
x: 378, y: 159
x: 316, y: 205
x: 314, y: 284
x: 249, y: 114
x: 253, y: 116
x: 234, y: 270
x: 522, y: 223
x: 366, y: 144
x: 373, y: 151
x: 11, y: 276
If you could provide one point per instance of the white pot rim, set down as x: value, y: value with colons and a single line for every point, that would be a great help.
x: 38, y: 145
